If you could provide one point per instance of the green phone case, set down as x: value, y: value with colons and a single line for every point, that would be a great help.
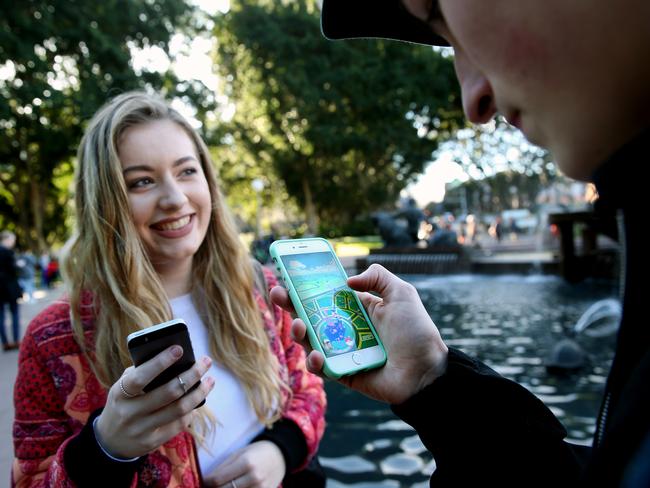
x: 293, y: 295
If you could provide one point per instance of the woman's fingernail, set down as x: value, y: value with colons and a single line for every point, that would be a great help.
x: 177, y: 351
x: 210, y: 381
x: 207, y: 361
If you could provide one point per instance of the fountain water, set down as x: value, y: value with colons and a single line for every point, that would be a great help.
x: 567, y: 355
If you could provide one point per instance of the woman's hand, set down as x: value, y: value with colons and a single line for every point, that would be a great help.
x: 134, y: 423
x: 258, y: 465
x: 416, y: 353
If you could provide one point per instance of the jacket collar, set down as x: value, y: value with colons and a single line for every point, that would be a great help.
x: 623, y: 179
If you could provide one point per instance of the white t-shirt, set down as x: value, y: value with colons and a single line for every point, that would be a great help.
x: 237, y: 423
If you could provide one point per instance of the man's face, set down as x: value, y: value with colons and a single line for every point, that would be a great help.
x: 9, y: 242
x: 560, y: 71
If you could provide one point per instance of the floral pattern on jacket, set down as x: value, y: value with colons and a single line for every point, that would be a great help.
x: 56, y: 391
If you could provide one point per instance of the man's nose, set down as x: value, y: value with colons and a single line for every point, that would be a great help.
x: 172, y: 195
x: 478, y: 97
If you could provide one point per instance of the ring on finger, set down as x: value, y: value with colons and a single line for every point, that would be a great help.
x: 183, y: 385
x: 124, y: 392
x: 234, y: 485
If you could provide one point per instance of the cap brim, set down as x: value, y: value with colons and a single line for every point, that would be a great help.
x: 382, y: 19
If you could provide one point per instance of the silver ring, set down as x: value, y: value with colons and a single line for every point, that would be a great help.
x: 124, y: 392
x: 234, y: 485
x: 183, y: 385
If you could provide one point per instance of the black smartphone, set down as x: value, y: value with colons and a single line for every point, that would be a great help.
x: 147, y: 343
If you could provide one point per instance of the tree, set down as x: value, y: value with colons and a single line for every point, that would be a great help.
x: 59, y: 61
x: 483, y: 150
x: 345, y: 125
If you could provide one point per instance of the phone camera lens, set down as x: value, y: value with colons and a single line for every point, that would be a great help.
x: 146, y: 339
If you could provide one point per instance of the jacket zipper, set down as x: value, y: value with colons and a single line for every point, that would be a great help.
x: 620, y: 221
x: 602, y: 420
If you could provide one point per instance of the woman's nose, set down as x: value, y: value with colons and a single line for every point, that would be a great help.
x: 172, y: 196
x: 478, y: 97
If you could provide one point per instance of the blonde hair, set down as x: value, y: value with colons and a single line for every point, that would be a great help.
x: 106, y: 258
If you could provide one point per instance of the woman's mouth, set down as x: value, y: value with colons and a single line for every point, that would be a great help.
x: 173, y: 225
x: 174, y: 228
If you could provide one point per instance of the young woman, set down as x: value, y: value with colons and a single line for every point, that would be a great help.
x: 154, y: 240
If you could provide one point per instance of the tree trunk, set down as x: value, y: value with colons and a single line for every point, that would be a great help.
x: 22, y: 203
x: 37, y: 213
x: 310, y: 210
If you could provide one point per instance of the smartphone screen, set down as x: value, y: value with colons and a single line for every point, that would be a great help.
x: 329, y: 303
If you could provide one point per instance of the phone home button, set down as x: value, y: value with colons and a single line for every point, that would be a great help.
x: 356, y: 357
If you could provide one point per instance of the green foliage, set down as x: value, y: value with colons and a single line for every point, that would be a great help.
x: 483, y: 150
x: 345, y: 125
x: 60, y: 61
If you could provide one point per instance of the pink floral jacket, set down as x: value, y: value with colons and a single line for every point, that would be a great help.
x: 56, y: 391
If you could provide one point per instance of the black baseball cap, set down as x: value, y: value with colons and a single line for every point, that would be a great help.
x: 386, y: 19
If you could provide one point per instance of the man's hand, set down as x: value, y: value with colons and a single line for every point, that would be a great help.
x: 416, y: 353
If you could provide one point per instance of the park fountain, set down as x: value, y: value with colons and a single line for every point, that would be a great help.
x: 510, y: 322
x: 602, y: 318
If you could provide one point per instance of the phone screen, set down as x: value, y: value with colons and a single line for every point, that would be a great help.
x: 329, y: 302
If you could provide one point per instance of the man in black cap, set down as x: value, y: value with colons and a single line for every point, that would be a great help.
x: 574, y: 77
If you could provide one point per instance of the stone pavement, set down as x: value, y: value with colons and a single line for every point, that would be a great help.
x: 8, y: 369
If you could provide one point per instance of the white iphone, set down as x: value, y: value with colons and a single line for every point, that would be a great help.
x: 337, y: 324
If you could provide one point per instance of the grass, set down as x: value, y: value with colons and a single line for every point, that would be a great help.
x: 355, y: 246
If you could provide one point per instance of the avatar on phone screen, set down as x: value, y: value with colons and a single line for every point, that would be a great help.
x: 329, y: 302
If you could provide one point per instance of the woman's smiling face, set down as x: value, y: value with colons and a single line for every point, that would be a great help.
x: 168, y: 193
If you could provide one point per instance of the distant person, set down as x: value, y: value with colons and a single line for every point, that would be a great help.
x: 574, y: 77
x: 26, y: 267
x: 43, y: 263
x: 497, y: 228
x: 154, y: 240
x: 471, y: 229
x: 51, y: 271
x: 10, y: 290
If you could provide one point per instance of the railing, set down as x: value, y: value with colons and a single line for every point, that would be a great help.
x: 410, y: 260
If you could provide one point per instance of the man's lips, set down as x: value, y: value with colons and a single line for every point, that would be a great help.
x: 514, y: 118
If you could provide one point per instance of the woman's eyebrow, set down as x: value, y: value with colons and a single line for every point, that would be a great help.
x: 144, y: 167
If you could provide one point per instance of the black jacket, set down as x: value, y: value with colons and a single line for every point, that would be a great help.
x: 10, y: 290
x: 485, y: 430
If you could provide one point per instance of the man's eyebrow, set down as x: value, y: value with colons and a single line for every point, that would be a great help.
x: 144, y: 167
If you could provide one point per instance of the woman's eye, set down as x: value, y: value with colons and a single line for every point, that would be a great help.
x: 140, y: 183
x: 188, y: 171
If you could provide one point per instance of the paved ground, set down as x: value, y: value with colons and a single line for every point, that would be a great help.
x: 8, y: 368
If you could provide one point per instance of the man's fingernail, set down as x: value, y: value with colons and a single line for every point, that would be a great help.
x: 177, y: 351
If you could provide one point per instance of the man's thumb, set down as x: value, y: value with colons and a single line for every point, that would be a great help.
x: 376, y: 279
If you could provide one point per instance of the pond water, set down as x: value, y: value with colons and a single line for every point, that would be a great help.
x: 510, y: 323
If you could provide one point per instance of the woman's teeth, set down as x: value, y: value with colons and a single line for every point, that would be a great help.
x: 176, y: 224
